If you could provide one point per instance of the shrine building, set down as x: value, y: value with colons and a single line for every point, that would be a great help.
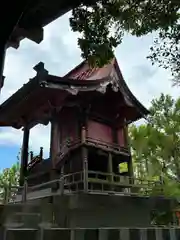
x: 89, y: 111
x: 89, y: 170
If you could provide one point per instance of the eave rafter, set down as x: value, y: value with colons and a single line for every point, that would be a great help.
x: 26, y: 19
x: 36, y: 35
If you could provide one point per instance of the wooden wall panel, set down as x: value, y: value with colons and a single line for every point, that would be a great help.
x: 99, y: 131
x: 121, y: 137
x: 68, y: 123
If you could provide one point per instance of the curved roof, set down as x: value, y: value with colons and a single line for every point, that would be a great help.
x: 26, y: 102
x: 109, y: 73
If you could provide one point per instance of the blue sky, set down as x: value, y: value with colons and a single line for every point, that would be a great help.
x: 60, y: 54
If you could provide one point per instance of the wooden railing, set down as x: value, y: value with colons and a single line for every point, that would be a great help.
x: 8, y: 193
x: 67, y: 147
x: 71, y: 183
x: 105, y: 182
x: 71, y: 145
x: 107, y: 145
x: 34, y: 161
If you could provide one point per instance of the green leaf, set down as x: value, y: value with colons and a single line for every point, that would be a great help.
x: 155, y: 145
x: 103, y: 23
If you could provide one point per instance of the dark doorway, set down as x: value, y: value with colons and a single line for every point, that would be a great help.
x: 98, y: 163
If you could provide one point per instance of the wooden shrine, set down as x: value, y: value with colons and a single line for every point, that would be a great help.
x: 89, y: 111
x: 90, y: 160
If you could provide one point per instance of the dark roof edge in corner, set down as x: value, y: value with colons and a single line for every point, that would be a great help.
x: 20, y: 94
x: 142, y: 110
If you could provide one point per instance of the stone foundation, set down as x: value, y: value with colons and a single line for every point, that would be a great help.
x: 92, y: 234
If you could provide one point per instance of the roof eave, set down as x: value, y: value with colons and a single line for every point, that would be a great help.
x: 19, y: 95
x: 140, y: 108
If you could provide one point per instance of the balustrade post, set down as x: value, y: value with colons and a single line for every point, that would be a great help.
x: 31, y: 155
x: 110, y: 170
x: 85, y: 168
x: 41, y: 153
x: 6, y: 194
x: 25, y: 190
x: 9, y: 192
x: 110, y: 167
x: 61, y: 184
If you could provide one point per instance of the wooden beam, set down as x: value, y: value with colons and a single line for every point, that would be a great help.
x: 2, y: 59
x: 35, y: 35
x: 54, y: 144
x: 24, y: 156
x: 14, y: 43
x: 42, y: 121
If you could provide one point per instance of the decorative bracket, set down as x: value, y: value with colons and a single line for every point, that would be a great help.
x: 42, y: 73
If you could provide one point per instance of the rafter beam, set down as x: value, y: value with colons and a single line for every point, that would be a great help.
x: 35, y: 35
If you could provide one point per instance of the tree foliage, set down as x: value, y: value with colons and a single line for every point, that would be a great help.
x: 10, y: 176
x: 9, y: 180
x: 156, y: 145
x: 166, y: 51
x: 102, y: 24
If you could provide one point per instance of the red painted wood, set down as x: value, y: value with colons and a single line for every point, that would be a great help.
x: 121, y: 137
x: 85, y: 72
x: 54, y: 145
x: 68, y: 126
x: 99, y: 131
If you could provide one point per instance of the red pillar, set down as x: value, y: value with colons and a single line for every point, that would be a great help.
x: 24, y: 156
x: 54, y: 144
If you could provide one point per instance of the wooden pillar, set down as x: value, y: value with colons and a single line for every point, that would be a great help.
x: 130, y: 167
x: 85, y: 167
x: 125, y: 129
x: 110, y: 167
x: 83, y: 134
x: 54, y: 145
x: 62, y: 181
x: 130, y: 163
x: 2, y: 60
x: 83, y: 124
x: 24, y: 156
